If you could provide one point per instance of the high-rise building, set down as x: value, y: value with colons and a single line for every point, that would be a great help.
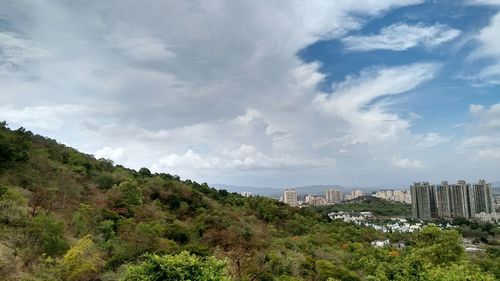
x: 455, y: 200
x: 290, y: 197
x: 317, y: 201
x: 356, y: 193
x: 451, y: 200
x: 334, y: 196
x: 423, y: 198
x: 483, y: 195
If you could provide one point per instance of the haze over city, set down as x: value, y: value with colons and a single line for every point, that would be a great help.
x: 262, y: 93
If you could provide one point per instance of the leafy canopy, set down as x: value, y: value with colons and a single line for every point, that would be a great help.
x: 177, y: 267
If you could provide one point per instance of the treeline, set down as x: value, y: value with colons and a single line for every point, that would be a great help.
x: 65, y: 215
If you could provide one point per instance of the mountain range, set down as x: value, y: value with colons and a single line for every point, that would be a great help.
x: 276, y: 192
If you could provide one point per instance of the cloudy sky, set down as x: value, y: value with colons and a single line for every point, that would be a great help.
x: 265, y: 93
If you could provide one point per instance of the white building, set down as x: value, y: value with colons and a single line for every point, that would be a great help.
x: 334, y: 196
x: 290, y: 197
x: 314, y: 200
x: 380, y: 243
x: 488, y: 217
x: 394, y: 195
x: 354, y: 194
x: 246, y: 194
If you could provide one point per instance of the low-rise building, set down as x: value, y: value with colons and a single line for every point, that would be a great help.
x: 246, y: 194
x: 394, y: 195
x: 494, y: 218
x: 381, y: 243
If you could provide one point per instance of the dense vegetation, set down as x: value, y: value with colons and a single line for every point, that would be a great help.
x: 377, y: 206
x: 67, y: 216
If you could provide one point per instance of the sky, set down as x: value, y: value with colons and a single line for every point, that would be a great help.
x: 262, y: 93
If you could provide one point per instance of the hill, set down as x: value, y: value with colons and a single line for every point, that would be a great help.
x: 65, y: 215
x: 378, y: 207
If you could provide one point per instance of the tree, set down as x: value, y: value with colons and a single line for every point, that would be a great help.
x: 144, y: 172
x: 82, y: 262
x: 125, y: 197
x: 437, y: 246
x: 459, y: 272
x: 45, y: 198
x: 105, y: 181
x: 131, y: 193
x: 12, y: 206
x: 177, y: 267
x: 47, y: 234
x: 14, y: 146
x: 85, y: 220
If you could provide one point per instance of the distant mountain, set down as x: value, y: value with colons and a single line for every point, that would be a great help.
x: 263, y: 191
x: 318, y: 189
x: 496, y: 187
x: 276, y: 192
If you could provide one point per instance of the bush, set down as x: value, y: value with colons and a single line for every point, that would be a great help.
x: 82, y: 262
x: 177, y: 267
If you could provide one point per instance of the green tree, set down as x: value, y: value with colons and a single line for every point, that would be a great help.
x: 131, y: 193
x: 459, y: 272
x: 85, y: 220
x: 82, y: 262
x: 177, y: 267
x: 47, y: 234
x: 13, y: 209
x: 437, y: 246
x: 14, y: 146
x: 144, y: 172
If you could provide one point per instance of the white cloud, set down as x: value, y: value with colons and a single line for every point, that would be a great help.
x: 488, y: 119
x: 246, y: 157
x: 401, y: 36
x: 353, y: 100
x: 41, y: 117
x: 489, y: 40
x: 491, y: 153
x: 483, y: 144
x: 432, y: 139
x: 484, y: 2
x: 145, y: 48
x: 115, y: 154
x: 488, y: 47
x: 406, y: 163
x: 481, y: 148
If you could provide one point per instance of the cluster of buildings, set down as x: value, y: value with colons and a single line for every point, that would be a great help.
x: 334, y: 196
x: 468, y: 200
x: 394, y: 195
x: 354, y: 194
x: 367, y: 219
x: 354, y: 217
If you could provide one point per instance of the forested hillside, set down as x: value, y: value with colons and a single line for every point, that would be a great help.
x: 67, y: 216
